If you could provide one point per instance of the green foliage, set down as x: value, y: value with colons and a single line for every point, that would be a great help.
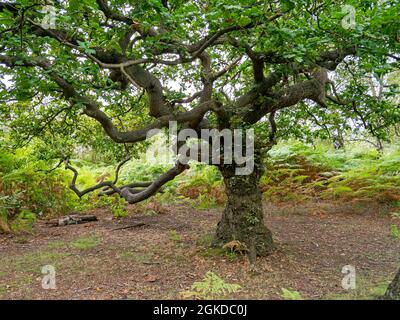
x: 116, y: 204
x: 138, y: 170
x: 338, y: 191
x: 291, y: 295
x: 366, y: 289
x: 212, y: 287
x: 297, y: 171
x: 203, y: 185
x: 56, y: 244
x: 23, y: 222
x: 169, y: 196
x: 4, y: 227
x: 394, y: 231
x: 229, y: 252
x: 28, y: 190
x: 119, y: 209
x: 174, y: 236
x: 204, y: 202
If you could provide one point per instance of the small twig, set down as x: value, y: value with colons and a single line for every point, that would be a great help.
x: 140, y: 224
x: 119, y: 168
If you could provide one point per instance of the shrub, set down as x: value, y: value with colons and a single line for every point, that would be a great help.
x: 302, y: 171
x: 28, y: 190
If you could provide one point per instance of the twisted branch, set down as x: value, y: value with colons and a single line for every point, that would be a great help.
x: 80, y: 193
x: 127, y: 192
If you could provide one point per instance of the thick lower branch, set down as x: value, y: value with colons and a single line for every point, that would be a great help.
x: 107, y: 191
x: 155, y: 186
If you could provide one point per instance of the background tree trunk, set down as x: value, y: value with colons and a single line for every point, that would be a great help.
x: 393, y: 291
x: 243, y: 218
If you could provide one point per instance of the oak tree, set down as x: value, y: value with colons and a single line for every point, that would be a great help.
x: 131, y: 66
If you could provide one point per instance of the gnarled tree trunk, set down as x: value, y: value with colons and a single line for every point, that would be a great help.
x: 393, y: 291
x: 243, y: 218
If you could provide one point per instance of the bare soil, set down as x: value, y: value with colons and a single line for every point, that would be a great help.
x: 164, y: 254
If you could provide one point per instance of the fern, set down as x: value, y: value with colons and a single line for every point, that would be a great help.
x: 212, y: 287
x: 290, y: 295
x: 321, y: 171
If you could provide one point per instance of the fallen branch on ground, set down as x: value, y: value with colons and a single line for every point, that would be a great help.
x: 140, y: 224
x: 71, y: 219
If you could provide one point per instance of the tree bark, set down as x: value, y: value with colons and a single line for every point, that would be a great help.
x: 393, y: 291
x: 243, y: 219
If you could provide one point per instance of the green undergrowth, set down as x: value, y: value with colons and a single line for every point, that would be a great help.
x: 366, y: 289
x: 29, y: 190
x: 296, y: 171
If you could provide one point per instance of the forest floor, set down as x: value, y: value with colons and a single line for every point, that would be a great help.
x: 164, y: 256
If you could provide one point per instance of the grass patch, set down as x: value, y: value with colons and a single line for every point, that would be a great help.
x: 365, y: 290
x: 219, y: 252
x: 209, y: 251
x: 174, y: 236
x: 56, y: 244
x: 126, y: 254
x: 33, y: 262
x: 21, y: 239
x: 138, y: 257
x: 205, y: 240
x: 85, y: 243
x: 394, y: 231
x: 3, y: 291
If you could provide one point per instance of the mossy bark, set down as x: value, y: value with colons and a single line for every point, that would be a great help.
x: 393, y: 291
x: 243, y: 218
